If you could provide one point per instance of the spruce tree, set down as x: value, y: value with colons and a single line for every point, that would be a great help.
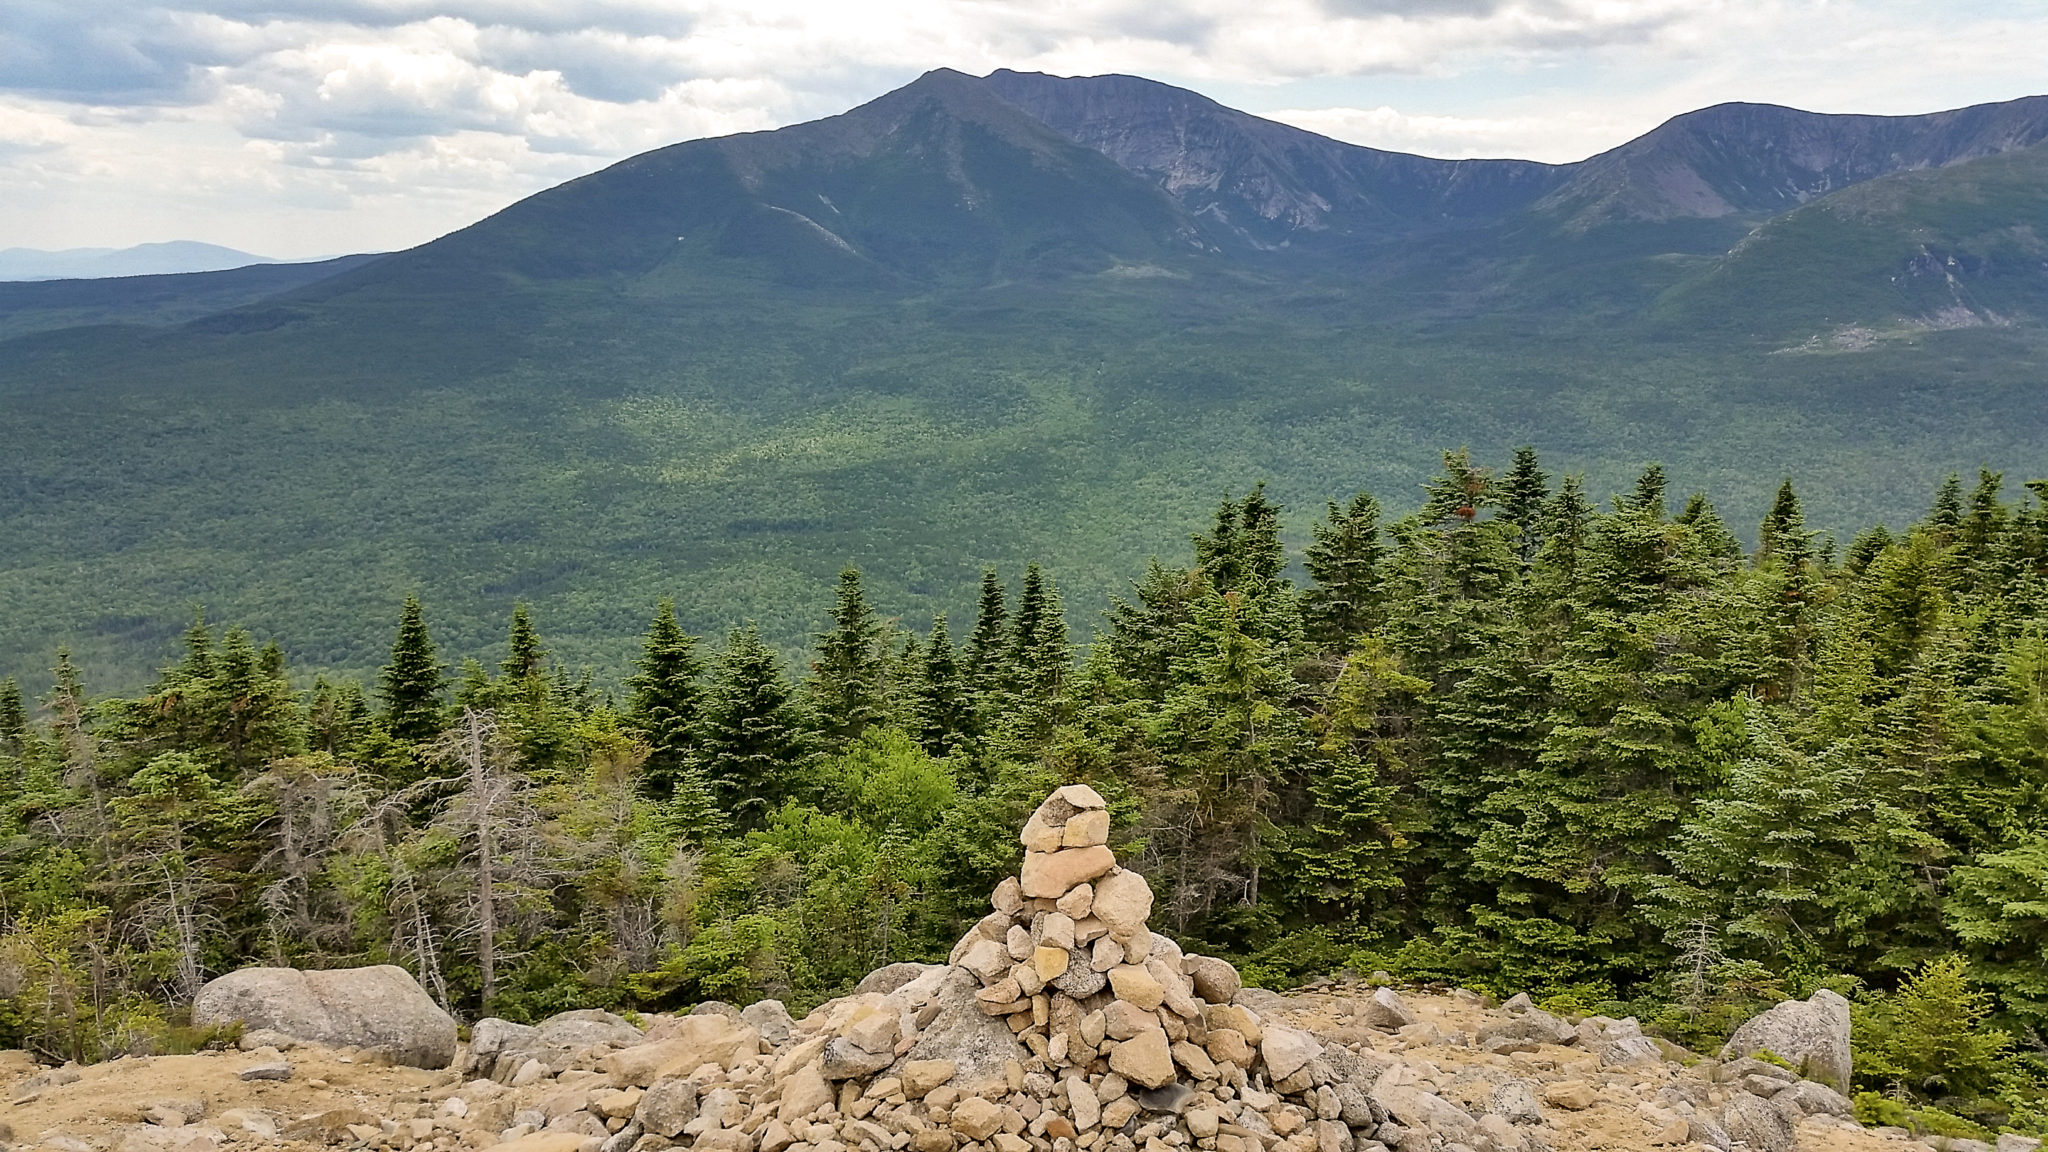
x: 1648, y: 496
x: 1148, y: 632
x: 525, y: 655
x: 668, y: 701
x: 1344, y: 560
x: 1783, y: 525
x: 1706, y: 524
x: 1947, y: 514
x: 13, y: 718
x: 1523, y: 493
x: 982, y: 656
x: 849, y: 685
x: 411, y: 684
x: 945, y: 717
x: 754, y: 741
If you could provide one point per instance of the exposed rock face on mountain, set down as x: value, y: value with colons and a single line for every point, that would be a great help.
x: 1061, y: 1024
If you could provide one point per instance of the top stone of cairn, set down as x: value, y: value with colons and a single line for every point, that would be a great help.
x: 1065, y: 843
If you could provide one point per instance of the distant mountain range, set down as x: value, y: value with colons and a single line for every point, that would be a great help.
x: 170, y: 257
x: 990, y: 319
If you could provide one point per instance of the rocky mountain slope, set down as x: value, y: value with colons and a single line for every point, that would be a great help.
x: 1062, y: 1023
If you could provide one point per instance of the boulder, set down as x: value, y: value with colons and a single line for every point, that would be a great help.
x: 771, y: 1020
x: 980, y: 1046
x: 1216, y: 981
x: 581, y: 1029
x: 1287, y: 1050
x: 1754, y: 1121
x: 1808, y: 1098
x: 1144, y: 1059
x: 1812, y: 1035
x: 381, y: 1008
x: 691, y: 1041
x: 490, y: 1036
x: 1387, y: 1012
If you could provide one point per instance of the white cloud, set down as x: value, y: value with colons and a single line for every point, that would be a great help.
x: 327, y: 125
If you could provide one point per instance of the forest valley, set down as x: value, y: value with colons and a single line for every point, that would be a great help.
x: 1510, y: 740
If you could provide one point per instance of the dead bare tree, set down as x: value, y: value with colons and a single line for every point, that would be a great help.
x: 310, y: 798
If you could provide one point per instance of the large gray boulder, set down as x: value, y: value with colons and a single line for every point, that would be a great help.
x: 381, y: 1009
x: 1812, y: 1035
x: 979, y: 1045
x: 1752, y: 1120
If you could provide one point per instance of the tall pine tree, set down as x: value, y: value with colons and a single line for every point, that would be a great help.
x: 412, y: 683
x: 667, y: 704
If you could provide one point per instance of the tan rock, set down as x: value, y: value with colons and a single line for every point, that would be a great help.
x: 1010, y: 1142
x: 1056, y: 930
x: 1106, y: 955
x: 1138, y: 944
x: 1144, y: 1059
x: 615, y: 1102
x: 1029, y: 982
x: 1196, y: 1061
x: 1123, y: 1020
x: 1203, y: 1122
x: 1571, y: 1095
x: 1082, y: 1104
x: 1236, y: 1018
x: 1019, y: 942
x: 1118, y: 1113
x: 1051, y: 875
x: 1137, y: 986
x: 1088, y: 929
x: 1076, y: 903
x: 1004, y: 991
x: 1086, y: 829
x: 934, y: 1140
x: 977, y: 1119
x: 988, y: 959
x: 1080, y: 796
x: 1122, y: 899
x: 1008, y: 897
x: 693, y: 1041
x: 1050, y: 962
x: 1094, y: 1026
x: 1286, y: 1050
x: 1332, y: 1136
x: 804, y: 1093
x: 534, y: 1142
x: 1228, y: 1045
x: 1216, y: 981
x: 775, y: 1136
x: 873, y: 1030
x: 1041, y: 834
x: 921, y: 1076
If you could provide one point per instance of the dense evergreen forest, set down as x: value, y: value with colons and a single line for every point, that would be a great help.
x: 1510, y: 740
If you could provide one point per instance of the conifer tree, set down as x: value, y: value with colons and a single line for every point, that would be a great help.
x: 1706, y: 524
x: 412, y: 682
x: 525, y: 655
x: 667, y: 702
x: 754, y: 739
x: 13, y: 718
x: 982, y: 655
x: 943, y: 713
x: 1947, y: 514
x: 1784, y: 525
x: 1523, y: 493
x: 336, y: 715
x: 1148, y: 632
x: 848, y: 686
x: 1344, y: 560
x: 1648, y: 496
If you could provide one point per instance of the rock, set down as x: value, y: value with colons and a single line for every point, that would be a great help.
x: 1007, y: 899
x: 2014, y: 1142
x: 268, y: 1070
x: 1172, y: 1099
x: 872, y: 1029
x: 1051, y: 875
x: 1123, y: 901
x: 987, y: 959
x: 803, y: 1093
x: 1236, y: 1018
x: 1136, y: 986
x: 1106, y: 954
x: 845, y: 1060
x: 1753, y: 1121
x: 1523, y: 1033
x: 890, y: 977
x: 1515, y: 1102
x: 1194, y: 1060
x: 1287, y: 1050
x: 666, y: 1106
x: 1812, y: 1035
x: 1386, y: 1011
x: 490, y: 1036
x: 1216, y: 981
x: 1570, y: 1095
x: 1630, y: 1050
x: 1123, y: 1020
x: 530, y: 1072
x: 1050, y: 963
x: 771, y: 1019
x: 540, y: 1142
x: 921, y: 1076
x: 1228, y: 1045
x: 1259, y: 1000
x: 613, y: 1103
x: 1078, y: 902
x: 583, y: 1028
x: 692, y: 1041
x: 1080, y: 980
x: 1423, y: 1111
x: 381, y: 1008
x: 977, y: 1119
x: 979, y: 1045
x: 1081, y: 1101
x: 1144, y: 1059
x: 1080, y: 797
x: 1086, y: 829
x: 1019, y: 942
x: 1809, y: 1098
x: 326, y: 1127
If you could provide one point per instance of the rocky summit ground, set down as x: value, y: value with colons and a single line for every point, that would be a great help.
x: 1060, y: 1024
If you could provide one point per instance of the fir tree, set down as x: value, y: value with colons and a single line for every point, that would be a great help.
x: 1706, y: 524
x: 1523, y: 493
x: 1344, y: 560
x: 1784, y: 526
x: 848, y: 687
x: 667, y: 702
x: 1147, y: 633
x: 1947, y: 514
x: 983, y: 654
x: 412, y: 682
x: 754, y: 739
x: 13, y: 718
x: 943, y: 713
x: 525, y: 655
x: 1648, y: 496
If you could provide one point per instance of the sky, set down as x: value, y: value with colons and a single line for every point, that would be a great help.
x: 299, y: 128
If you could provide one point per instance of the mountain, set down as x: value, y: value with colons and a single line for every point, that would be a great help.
x: 170, y: 257
x: 989, y: 321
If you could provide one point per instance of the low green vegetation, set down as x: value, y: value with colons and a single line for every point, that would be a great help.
x: 1509, y: 740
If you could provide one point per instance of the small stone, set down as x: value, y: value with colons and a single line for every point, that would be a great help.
x: 1086, y: 829
x: 1144, y: 1059
x: 1106, y: 955
x: 1080, y: 796
x: 1075, y: 904
x: 1019, y: 942
x: 1196, y: 1061
x: 921, y: 1076
x: 1029, y: 982
x: 1287, y: 1050
x: 1081, y: 1102
x: 1571, y: 1095
x: 1050, y: 962
x: 1136, y: 986
x: 531, y: 1072
x: 1387, y: 1011
x: 1203, y: 1122
x: 1008, y: 897
x: 1094, y: 1026
x: 1228, y: 1046
x: 976, y: 1118
x: 268, y: 1070
x: 1216, y: 981
x: 1056, y: 931
x: 1123, y: 1020
x: 1002, y: 992
x: 1118, y: 1113
x: 1010, y: 1142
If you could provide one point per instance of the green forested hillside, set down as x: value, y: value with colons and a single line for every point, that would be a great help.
x: 935, y: 333
x: 1510, y: 740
